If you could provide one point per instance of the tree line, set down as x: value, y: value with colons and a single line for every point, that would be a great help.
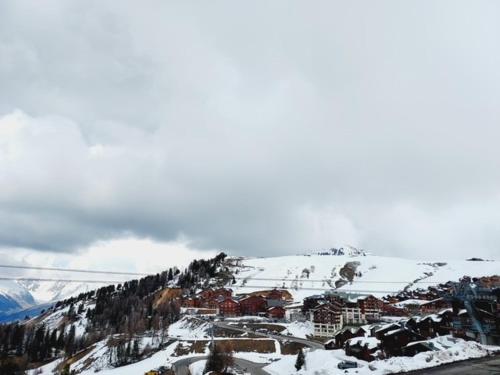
x: 126, y: 309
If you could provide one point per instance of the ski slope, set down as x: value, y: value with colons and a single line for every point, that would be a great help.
x: 306, y: 275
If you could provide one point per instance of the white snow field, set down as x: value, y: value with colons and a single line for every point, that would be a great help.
x: 307, y: 275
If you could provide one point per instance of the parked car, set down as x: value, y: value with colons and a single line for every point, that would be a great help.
x: 347, y: 364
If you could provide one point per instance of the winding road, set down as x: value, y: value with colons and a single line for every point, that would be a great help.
x: 181, y: 367
x: 312, y: 344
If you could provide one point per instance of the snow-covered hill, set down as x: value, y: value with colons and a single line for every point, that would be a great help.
x: 358, y: 272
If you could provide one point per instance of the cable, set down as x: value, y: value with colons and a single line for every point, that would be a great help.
x: 72, y: 270
x: 236, y: 278
x: 326, y: 280
x: 62, y: 280
x: 299, y: 288
x: 234, y: 286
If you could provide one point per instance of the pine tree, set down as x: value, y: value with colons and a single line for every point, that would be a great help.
x: 135, y: 350
x: 217, y: 360
x: 70, y: 342
x: 301, y: 360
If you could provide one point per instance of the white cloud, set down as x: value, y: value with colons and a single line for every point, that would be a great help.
x: 256, y: 129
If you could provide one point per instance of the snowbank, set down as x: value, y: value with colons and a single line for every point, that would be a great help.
x: 189, y: 328
x: 325, y: 362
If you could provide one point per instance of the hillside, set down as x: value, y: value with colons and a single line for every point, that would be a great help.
x: 310, y: 274
x: 140, y: 324
x: 115, y: 316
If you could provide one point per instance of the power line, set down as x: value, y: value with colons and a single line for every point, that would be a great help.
x: 353, y: 281
x: 236, y: 278
x: 235, y: 286
x: 72, y: 270
x: 311, y: 288
x: 62, y: 280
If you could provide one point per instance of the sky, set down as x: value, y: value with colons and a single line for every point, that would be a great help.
x: 257, y: 128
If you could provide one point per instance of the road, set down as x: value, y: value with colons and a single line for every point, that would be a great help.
x: 181, y: 367
x: 312, y: 344
x: 481, y: 366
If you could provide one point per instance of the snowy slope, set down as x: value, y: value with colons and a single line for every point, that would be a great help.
x: 325, y: 362
x: 18, y: 296
x: 14, y: 297
x: 307, y: 275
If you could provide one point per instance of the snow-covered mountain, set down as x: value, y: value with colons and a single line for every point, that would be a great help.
x: 49, y: 291
x: 19, y: 295
x: 14, y: 297
x: 352, y: 271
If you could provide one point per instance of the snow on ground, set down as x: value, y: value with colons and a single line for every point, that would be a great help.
x: 54, y: 319
x: 298, y: 329
x: 46, y: 369
x: 325, y: 362
x: 324, y: 269
x: 161, y: 358
x: 189, y: 328
x: 322, y: 362
x: 197, y: 367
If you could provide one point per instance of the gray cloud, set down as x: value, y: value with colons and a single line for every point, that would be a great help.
x: 259, y: 128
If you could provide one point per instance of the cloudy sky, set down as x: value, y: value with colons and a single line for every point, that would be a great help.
x: 258, y: 128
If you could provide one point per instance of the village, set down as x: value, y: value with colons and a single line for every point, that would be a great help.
x: 364, y: 326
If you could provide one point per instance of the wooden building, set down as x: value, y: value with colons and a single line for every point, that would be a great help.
x: 229, y: 307
x: 252, y: 305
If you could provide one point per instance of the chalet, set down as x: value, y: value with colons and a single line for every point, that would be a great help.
x: 252, y: 305
x: 327, y: 319
x: 362, y: 348
x: 191, y: 302
x: 311, y: 302
x: 214, y: 293
x: 224, y: 292
x: 345, y: 334
x: 212, y: 303
x: 229, y: 307
x: 278, y: 297
x: 379, y: 330
x: 393, y: 341
x: 434, y: 306
x: 391, y: 310
x: 351, y: 314
x: 371, y: 308
x: 434, y: 324
x: 412, y: 305
x: 276, y: 312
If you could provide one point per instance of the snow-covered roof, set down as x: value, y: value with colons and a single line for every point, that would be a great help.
x: 390, y: 333
x: 385, y: 326
x: 372, y: 342
x: 409, y: 302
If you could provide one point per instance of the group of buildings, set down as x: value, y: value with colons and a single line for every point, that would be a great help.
x: 359, y: 324
x: 269, y: 303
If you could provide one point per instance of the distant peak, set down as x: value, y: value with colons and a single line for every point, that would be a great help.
x: 345, y: 250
